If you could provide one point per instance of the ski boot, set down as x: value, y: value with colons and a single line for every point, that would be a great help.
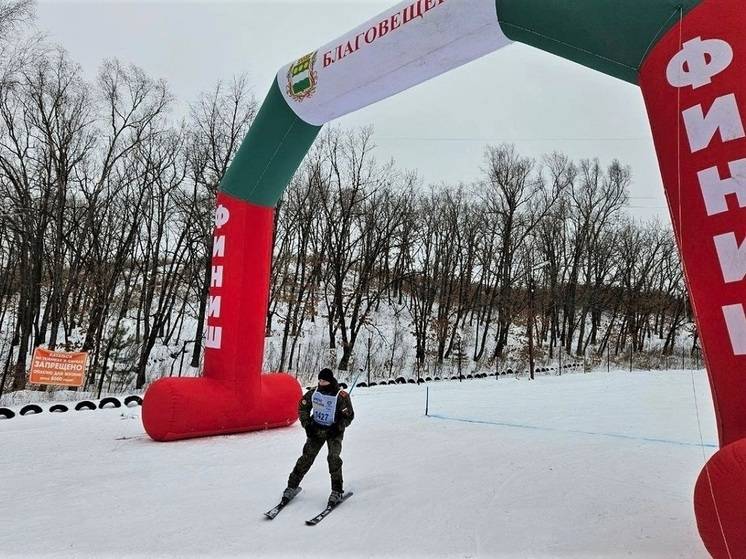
x: 335, y: 498
x: 290, y: 493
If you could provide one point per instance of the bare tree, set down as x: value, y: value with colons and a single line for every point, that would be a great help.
x: 13, y: 13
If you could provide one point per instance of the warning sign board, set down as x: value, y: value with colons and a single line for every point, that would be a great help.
x: 57, y: 367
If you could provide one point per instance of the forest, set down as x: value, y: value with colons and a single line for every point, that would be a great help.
x: 108, y: 188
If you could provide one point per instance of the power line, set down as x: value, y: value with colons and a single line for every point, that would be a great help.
x: 476, y: 139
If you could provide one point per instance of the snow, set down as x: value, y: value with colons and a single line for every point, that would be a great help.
x: 582, y: 465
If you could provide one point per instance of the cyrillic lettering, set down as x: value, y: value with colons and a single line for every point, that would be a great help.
x: 715, y: 189
x: 383, y: 28
x: 213, y: 306
x: 369, y: 39
x: 735, y: 319
x: 218, y: 246
x: 698, y: 62
x: 213, y: 337
x: 732, y: 257
x: 216, y: 280
x: 413, y: 11
x: 723, y: 116
x: 222, y: 216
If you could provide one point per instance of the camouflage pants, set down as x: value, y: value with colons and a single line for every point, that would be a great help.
x: 310, y: 451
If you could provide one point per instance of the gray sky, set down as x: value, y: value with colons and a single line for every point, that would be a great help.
x: 519, y: 94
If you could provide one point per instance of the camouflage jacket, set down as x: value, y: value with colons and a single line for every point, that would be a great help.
x: 342, y: 418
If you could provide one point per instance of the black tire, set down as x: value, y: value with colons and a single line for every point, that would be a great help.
x: 373, y: 384
x: 401, y: 380
x: 129, y: 400
x: 393, y: 381
x: 58, y: 408
x: 106, y: 401
x: 30, y: 409
x: 411, y: 381
x: 361, y: 385
x: 428, y: 379
x: 343, y: 385
x: 6, y: 413
x: 85, y: 405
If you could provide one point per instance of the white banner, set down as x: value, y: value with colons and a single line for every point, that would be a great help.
x: 404, y: 46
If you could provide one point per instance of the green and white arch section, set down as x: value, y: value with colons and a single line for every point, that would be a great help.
x: 689, y: 59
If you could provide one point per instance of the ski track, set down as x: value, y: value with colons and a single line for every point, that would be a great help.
x: 91, y: 484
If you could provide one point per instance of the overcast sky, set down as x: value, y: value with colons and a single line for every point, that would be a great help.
x: 519, y: 94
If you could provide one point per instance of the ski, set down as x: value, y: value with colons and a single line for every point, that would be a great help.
x: 324, y: 513
x: 271, y: 514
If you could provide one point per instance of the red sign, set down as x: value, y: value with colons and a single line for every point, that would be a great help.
x: 59, y: 368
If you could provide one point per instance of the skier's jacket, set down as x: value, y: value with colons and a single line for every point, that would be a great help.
x: 342, y: 418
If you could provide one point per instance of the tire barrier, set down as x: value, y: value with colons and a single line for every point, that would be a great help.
x: 131, y: 401
x: 135, y: 400
x: 6, y: 413
x: 111, y: 402
x: 85, y: 405
x: 30, y: 409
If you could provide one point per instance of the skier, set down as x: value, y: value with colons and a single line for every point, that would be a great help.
x: 325, y: 412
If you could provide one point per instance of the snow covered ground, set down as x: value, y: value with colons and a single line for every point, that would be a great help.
x: 583, y: 465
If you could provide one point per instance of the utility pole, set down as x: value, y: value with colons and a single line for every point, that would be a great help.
x: 368, y: 361
x: 459, y: 355
x: 530, y: 327
x: 608, y: 357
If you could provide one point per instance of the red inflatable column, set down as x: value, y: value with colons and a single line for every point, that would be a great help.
x: 694, y: 83
x: 232, y: 396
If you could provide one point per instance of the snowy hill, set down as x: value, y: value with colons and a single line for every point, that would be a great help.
x: 583, y: 465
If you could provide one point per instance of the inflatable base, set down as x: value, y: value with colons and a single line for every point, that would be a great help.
x: 179, y: 408
x: 720, y: 502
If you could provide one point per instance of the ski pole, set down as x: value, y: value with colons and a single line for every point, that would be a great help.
x: 354, y: 382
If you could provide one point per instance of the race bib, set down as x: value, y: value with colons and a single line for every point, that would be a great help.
x: 324, y: 408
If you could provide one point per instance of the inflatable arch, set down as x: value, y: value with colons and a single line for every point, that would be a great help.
x: 689, y: 59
